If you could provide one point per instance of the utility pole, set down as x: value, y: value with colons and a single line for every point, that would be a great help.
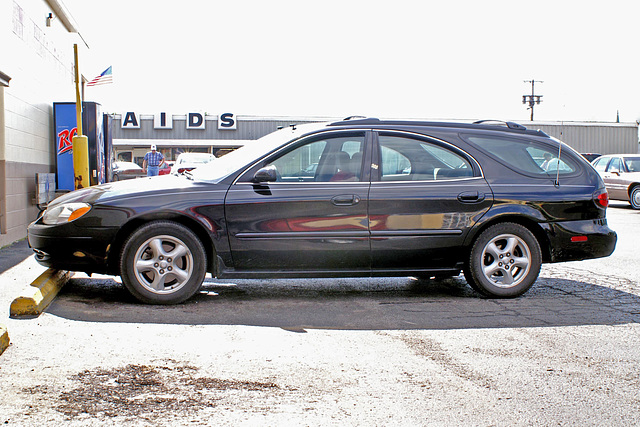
x: 532, y: 99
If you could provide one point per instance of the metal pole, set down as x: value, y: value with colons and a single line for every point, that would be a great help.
x: 78, y: 100
x: 80, y: 143
x: 531, y: 102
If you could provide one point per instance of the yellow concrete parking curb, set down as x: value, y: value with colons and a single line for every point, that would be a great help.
x: 4, y: 339
x: 40, y: 294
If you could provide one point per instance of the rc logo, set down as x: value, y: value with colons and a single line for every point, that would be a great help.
x: 65, y: 139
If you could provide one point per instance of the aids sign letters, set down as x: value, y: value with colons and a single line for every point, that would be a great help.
x: 226, y: 121
x: 194, y: 120
x: 130, y: 120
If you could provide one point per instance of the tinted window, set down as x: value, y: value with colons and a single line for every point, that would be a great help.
x: 411, y: 159
x: 322, y: 160
x: 525, y: 156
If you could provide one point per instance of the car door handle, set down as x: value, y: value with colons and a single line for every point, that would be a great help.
x: 345, y: 200
x: 471, y: 197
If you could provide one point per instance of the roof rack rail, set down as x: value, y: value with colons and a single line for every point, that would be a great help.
x: 356, y: 120
x: 510, y: 125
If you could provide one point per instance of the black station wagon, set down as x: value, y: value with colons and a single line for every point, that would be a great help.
x: 383, y: 198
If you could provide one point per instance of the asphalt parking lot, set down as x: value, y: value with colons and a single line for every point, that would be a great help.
x: 333, y: 352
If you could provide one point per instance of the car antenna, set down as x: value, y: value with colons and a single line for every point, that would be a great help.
x: 557, y: 181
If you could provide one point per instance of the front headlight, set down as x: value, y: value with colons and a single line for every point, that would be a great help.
x: 64, y: 213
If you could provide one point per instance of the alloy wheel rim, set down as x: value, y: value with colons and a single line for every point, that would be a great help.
x: 506, y: 260
x: 163, y: 264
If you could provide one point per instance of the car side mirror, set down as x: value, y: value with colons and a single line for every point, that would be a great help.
x: 266, y: 174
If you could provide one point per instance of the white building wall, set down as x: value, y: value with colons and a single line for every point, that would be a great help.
x: 39, y: 61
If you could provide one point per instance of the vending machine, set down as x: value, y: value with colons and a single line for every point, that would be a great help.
x: 93, y: 126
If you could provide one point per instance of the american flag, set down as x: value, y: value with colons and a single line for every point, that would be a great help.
x: 104, y: 78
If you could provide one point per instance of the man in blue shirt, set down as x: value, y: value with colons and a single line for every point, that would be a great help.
x: 152, y: 161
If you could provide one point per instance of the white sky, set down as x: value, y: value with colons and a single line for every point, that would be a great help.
x: 445, y: 59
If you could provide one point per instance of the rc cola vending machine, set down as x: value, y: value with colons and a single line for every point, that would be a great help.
x: 95, y: 127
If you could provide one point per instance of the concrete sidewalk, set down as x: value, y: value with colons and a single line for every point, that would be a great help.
x: 14, y: 254
x: 17, y: 269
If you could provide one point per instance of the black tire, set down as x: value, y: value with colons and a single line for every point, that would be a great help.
x: 116, y: 178
x: 634, y: 197
x: 163, y: 262
x: 504, y: 262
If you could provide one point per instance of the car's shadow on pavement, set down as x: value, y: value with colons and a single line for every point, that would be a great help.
x: 357, y: 304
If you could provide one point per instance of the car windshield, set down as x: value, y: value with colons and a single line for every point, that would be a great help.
x: 229, y: 163
x: 632, y: 163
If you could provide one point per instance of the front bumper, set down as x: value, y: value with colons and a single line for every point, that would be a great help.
x: 67, y: 247
x: 579, y: 240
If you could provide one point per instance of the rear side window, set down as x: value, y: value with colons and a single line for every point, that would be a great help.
x: 408, y: 159
x: 525, y: 156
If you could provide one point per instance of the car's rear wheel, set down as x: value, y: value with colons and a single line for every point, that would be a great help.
x: 504, y: 262
x: 163, y: 262
x: 634, y: 197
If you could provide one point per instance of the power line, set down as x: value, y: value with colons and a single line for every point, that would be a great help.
x: 532, y: 99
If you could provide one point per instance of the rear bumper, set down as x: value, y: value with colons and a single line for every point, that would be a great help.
x: 578, y: 240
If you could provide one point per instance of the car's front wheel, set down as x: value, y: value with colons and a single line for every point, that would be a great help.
x: 504, y: 262
x: 634, y: 197
x: 163, y: 262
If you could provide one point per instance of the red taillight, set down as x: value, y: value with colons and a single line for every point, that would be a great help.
x: 579, y: 239
x: 602, y: 199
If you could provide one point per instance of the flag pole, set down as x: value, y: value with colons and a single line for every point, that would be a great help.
x: 79, y: 142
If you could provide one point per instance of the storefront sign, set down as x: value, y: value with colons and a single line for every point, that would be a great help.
x: 164, y: 120
x: 130, y: 121
x: 226, y: 121
x: 196, y: 121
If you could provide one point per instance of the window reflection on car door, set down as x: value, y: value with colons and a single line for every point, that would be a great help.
x: 423, y: 200
x: 314, y: 216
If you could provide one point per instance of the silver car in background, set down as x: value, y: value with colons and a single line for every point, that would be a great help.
x: 126, y: 170
x: 621, y: 175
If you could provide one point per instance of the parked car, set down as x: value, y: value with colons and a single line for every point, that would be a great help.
x: 590, y: 156
x: 166, y: 168
x: 621, y: 175
x: 189, y: 161
x: 388, y: 198
x: 126, y: 170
